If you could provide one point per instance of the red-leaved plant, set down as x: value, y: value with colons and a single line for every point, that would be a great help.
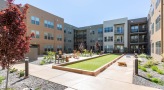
x: 13, y: 40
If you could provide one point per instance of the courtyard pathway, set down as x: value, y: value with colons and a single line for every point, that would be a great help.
x: 113, y: 78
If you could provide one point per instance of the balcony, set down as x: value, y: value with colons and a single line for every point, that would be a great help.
x: 138, y: 31
x: 119, y: 31
x: 118, y: 42
x: 142, y: 40
x: 134, y: 41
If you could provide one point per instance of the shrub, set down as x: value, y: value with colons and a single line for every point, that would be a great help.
x: 149, y: 57
x: 21, y: 73
x: 160, y: 72
x: 13, y: 70
x: 142, y: 68
x: 142, y: 55
x: 150, y: 63
x: 49, y: 57
x: 42, y: 62
x: 154, y: 68
x: 149, y: 75
x: 1, y: 79
x: 155, y: 80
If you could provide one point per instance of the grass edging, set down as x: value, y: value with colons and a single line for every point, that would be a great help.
x: 86, y: 72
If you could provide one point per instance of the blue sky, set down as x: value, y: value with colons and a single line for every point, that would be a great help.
x: 90, y: 12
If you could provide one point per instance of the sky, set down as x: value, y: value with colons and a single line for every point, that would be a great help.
x: 91, y: 12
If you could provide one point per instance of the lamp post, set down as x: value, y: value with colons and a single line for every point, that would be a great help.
x: 26, y: 67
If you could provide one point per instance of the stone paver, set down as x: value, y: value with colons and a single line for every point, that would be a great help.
x: 113, y: 78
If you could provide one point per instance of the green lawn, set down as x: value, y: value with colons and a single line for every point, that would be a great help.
x: 93, y: 64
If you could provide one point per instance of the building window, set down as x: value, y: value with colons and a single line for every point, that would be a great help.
x: 36, y: 34
x: 92, y: 40
x: 48, y: 24
x: 152, y: 28
x: 59, y: 26
x: 69, y: 31
x: 69, y: 40
x: 65, y: 30
x: 158, y: 23
x: 105, y: 39
x: 35, y: 20
x: 48, y: 48
x: 108, y: 48
x: 59, y: 38
x: 100, y: 31
x: 108, y: 29
x: 59, y: 47
x: 158, y: 47
x: 119, y: 30
x: 134, y: 29
x: 152, y: 48
x: 110, y: 39
x: 100, y: 39
x: 157, y: 3
x: 152, y: 13
x: 134, y: 39
x: 92, y: 32
x: 48, y: 36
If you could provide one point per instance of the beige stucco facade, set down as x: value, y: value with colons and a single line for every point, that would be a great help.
x: 155, y: 35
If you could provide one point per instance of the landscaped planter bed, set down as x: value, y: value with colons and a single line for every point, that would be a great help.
x: 17, y: 83
x: 145, y: 76
x: 93, y: 72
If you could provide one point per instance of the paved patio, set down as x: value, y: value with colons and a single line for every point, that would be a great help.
x: 113, y: 78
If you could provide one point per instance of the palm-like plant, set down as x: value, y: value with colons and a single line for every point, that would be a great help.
x: 49, y: 57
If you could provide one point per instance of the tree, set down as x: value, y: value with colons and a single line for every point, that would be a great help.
x: 97, y: 46
x: 81, y: 47
x: 13, y: 40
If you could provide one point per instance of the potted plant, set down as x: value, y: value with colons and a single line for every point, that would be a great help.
x: 67, y: 59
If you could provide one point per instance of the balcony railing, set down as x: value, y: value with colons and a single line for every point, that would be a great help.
x: 119, y: 32
x: 134, y: 41
x: 118, y: 42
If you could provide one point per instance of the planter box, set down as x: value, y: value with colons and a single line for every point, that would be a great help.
x: 86, y: 72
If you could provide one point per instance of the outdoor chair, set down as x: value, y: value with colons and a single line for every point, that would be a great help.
x: 59, y: 58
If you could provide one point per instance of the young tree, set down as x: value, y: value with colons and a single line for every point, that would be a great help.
x: 97, y: 46
x: 81, y: 47
x: 13, y: 40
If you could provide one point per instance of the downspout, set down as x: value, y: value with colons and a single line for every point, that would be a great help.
x: 162, y: 43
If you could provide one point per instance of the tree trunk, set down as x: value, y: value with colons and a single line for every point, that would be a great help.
x: 7, y: 78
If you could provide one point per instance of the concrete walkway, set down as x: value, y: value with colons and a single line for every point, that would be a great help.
x: 113, y: 78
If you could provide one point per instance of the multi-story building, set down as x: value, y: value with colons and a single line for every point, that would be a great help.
x: 2, y: 4
x: 137, y: 35
x: 80, y: 36
x: 69, y: 37
x: 115, y: 35
x: 48, y: 30
x: 94, y: 34
x: 155, y: 19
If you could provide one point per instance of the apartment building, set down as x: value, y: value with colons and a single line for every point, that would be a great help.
x: 2, y: 4
x: 69, y: 37
x: 138, y: 35
x: 142, y: 35
x: 155, y: 19
x: 80, y: 36
x: 115, y: 35
x: 48, y: 30
x: 94, y: 33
